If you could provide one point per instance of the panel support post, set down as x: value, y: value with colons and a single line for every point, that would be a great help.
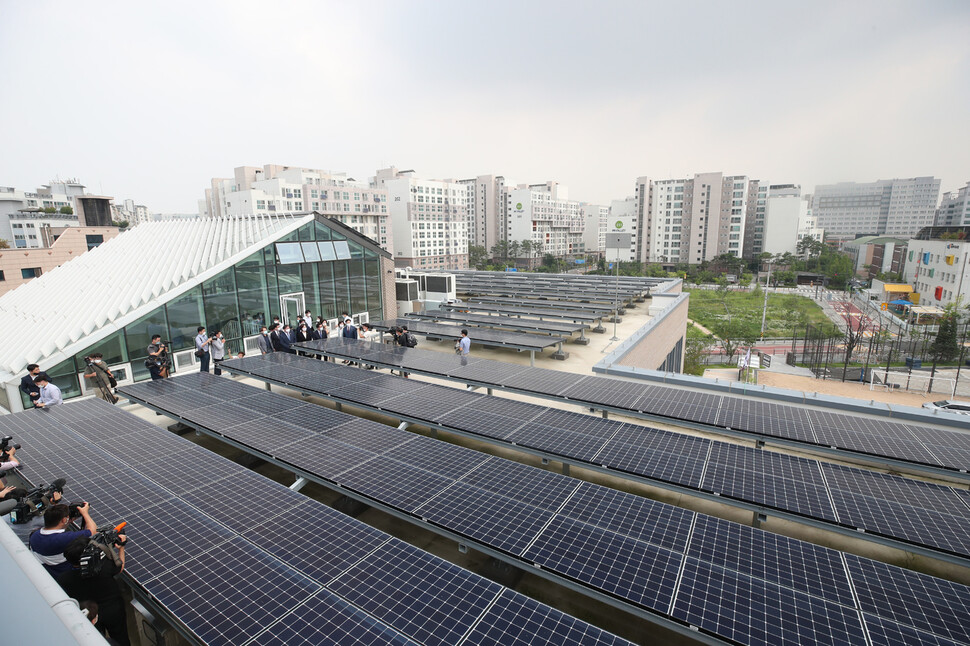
x: 299, y: 484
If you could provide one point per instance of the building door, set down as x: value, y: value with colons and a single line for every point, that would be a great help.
x: 293, y: 306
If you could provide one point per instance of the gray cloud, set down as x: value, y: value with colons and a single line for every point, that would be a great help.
x: 149, y: 102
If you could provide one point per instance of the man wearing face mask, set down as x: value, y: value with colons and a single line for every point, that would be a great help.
x: 99, y: 379
x: 287, y: 339
x: 263, y: 342
x: 218, y: 352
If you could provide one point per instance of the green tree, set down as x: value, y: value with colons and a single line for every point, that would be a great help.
x: 734, y: 334
x: 945, y: 346
x: 695, y: 349
x: 4, y: 244
x: 67, y: 210
x: 500, y: 250
x: 477, y: 256
x: 514, y: 247
x: 49, y: 209
x: 121, y: 224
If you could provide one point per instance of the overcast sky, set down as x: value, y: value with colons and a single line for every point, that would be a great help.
x: 150, y: 100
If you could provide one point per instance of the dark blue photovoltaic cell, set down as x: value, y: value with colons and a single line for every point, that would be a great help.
x: 534, y: 486
x: 393, y: 482
x: 630, y: 515
x: 445, y: 459
x: 644, y: 460
x: 327, y: 619
x: 393, y: 583
x: 347, y: 541
x: 883, y: 632
x: 513, y: 617
x: 496, y: 520
x: 207, y: 592
x: 759, y: 613
x: 943, y: 607
x: 641, y: 572
x: 794, y: 564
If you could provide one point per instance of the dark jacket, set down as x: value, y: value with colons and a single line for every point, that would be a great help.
x: 285, y: 341
x: 28, y: 387
x: 318, y: 335
x: 302, y: 337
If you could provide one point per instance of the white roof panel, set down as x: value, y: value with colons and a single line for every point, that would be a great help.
x: 98, y: 292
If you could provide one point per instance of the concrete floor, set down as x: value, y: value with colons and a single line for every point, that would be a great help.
x: 580, y: 361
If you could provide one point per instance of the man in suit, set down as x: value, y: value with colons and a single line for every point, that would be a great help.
x: 263, y: 341
x: 27, y: 385
x: 287, y: 339
x: 274, y: 337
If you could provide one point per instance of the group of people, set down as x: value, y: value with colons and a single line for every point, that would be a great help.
x: 60, y: 551
x: 281, y: 337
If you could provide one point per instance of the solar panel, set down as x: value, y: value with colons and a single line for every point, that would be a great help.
x: 534, y: 486
x: 517, y: 617
x: 631, y: 515
x: 445, y: 459
x: 393, y: 482
x: 540, y: 380
x: 641, y: 572
x: 795, y: 564
x: 555, y: 440
x: 758, y: 612
x: 323, y: 456
x: 943, y: 609
x: 231, y: 591
x: 432, y: 409
x: 644, y: 460
x: 392, y: 584
x: 327, y: 616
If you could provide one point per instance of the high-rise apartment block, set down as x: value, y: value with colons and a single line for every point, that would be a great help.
x: 544, y: 215
x: 595, y: 219
x: 954, y: 208
x: 485, y: 210
x: 895, y: 207
x: 691, y: 220
x: 776, y: 214
x: 429, y: 219
x: 275, y: 189
x: 133, y: 214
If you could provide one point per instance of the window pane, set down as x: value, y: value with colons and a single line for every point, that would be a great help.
x: 289, y: 253
x: 341, y: 283
x: 326, y: 251
x: 112, y: 348
x: 358, y: 287
x: 184, y: 316
x: 322, y: 231
x: 137, y: 337
x: 253, y: 297
x: 343, y: 251
x: 311, y: 252
x: 290, y: 279
x: 64, y: 376
x: 221, y: 313
x: 375, y: 306
x: 327, y: 301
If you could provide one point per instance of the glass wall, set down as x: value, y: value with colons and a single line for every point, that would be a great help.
x: 242, y: 298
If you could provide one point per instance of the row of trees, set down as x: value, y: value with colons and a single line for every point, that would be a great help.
x: 504, y: 253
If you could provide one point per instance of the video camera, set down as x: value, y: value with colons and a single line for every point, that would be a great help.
x: 5, y: 446
x: 33, y: 502
x: 100, y: 548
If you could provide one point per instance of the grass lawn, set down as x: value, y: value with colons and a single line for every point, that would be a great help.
x: 707, y: 307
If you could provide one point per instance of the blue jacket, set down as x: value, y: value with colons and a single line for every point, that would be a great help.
x: 350, y: 332
x: 286, y: 340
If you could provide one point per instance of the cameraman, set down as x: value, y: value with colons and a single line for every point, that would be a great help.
x: 103, y: 381
x: 48, y: 544
x: 9, y: 461
x: 157, y: 361
x: 101, y: 589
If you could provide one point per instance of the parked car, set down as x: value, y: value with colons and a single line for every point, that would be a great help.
x: 950, y: 406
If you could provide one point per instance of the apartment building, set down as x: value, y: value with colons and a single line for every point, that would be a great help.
x: 485, y: 210
x: 429, y: 219
x: 544, y: 215
x: 954, y: 208
x: 275, y: 189
x: 777, y: 214
x: 895, y: 207
x: 27, y: 209
x: 133, y: 214
x: 595, y: 219
x: 691, y: 220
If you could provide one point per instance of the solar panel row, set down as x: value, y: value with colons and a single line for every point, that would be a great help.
x: 488, y: 320
x: 522, y: 340
x: 912, y: 511
x: 937, y: 448
x: 232, y: 570
x: 731, y: 581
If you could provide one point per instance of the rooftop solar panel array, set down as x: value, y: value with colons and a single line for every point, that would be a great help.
x: 481, y: 336
x: 915, y: 512
x: 488, y: 320
x: 229, y: 569
x: 725, y: 580
x: 940, y: 449
x: 547, y: 312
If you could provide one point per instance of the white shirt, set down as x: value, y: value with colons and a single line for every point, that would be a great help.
x: 50, y: 395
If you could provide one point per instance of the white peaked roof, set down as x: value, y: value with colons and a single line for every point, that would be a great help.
x: 97, y: 293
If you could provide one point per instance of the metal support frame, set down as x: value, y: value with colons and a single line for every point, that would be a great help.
x: 464, y: 541
x: 299, y: 484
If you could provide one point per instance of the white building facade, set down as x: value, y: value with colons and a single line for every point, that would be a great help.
x: 485, y: 210
x: 25, y: 208
x: 895, y: 207
x: 543, y: 215
x: 939, y: 270
x: 595, y: 218
x: 275, y: 189
x: 429, y: 219
x: 954, y: 208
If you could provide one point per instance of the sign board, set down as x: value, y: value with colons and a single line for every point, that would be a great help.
x: 765, y: 360
x: 580, y: 261
x: 618, y: 240
x: 511, y: 269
